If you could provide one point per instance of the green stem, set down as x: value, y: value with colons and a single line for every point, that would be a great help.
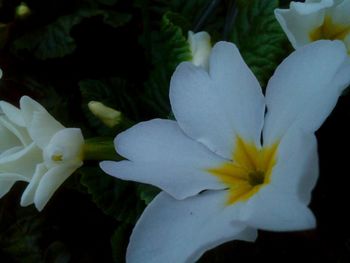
x: 99, y: 149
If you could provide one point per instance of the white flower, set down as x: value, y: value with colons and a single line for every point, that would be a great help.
x: 37, y: 149
x: 314, y: 20
x: 200, y: 48
x: 225, y: 167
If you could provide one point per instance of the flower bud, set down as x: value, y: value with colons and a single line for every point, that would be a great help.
x: 110, y: 117
x: 200, y: 47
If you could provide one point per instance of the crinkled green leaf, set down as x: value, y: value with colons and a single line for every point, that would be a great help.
x: 114, y: 197
x: 52, y: 41
x: 259, y: 37
x: 55, y: 40
x: 170, y: 48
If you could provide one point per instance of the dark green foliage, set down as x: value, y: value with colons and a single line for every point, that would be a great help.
x: 55, y: 40
x: 170, y: 48
x: 259, y: 37
x: 115, y: 197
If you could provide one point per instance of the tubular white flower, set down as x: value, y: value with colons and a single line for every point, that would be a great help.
x: 37, y: 149
x: 219, y: 181
x: 314, y: 20
x: 200, y: 47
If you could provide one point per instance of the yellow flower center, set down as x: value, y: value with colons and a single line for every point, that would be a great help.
x: 330, y: 30
x: 250, y: 170
x: 57, y: 158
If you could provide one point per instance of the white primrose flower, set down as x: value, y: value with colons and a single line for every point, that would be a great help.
x: 225, y: 167
x: 37, y: 149
x: 200, y: 47
x: 315, y: 20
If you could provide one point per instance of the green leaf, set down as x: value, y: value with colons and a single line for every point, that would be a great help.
x: 108, y: 2
x: 119, y: 242
x: 57, y: 252
x: 170, y: 48
x: 55, y: 40
x: 147, y: 192
x: 4, y: 32
x: 259, y: 37
x: 20, y: 238
x: 114, y: 197
x: 52, y: 41
x: 191, y: 9
x: 115, y: 19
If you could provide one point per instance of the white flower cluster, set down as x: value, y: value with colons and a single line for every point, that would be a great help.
x: 37, y: 149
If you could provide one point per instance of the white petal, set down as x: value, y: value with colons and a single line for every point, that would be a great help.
x: 179, y: 180
x: 12, y: 113
x: 340, y: 13
x: 162, y: 155
x: 20, y: 132
x: 274, y: 211
x: 5, y: 186
x: 41, y: 125
x: 162, y: 140
x: 51, y: 181
x: 311, y: 6
x: 7, y: 180
x: 301, y: 19
x: 22, y: 162
x: 214, y: 108
x: 8, y: 139
x: 305, y: 88
x: 181, y: 231
x: 239, y: 91
x: 67, y: 144
x: 296, y: 170
x: 28, y: 194
x: 10, y: 151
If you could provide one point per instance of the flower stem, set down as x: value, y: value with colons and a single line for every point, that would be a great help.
x: 99, y: 149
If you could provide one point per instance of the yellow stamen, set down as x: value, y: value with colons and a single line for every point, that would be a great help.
x: 330, y: 30
x: 251, y: 169
x: 57, y: 158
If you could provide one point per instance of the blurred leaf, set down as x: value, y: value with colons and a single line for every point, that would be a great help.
x: 259, y: 37
x: 22, y: 238
x: 108, y: 2
x: 55, y: 40
x: 114, y: 197
x: 190, y: 9
x: 115, y: 19
x: 170, y: 48
x: 4, y: 30
x: 57, y: 252
x: 147, y: 192
x: 119, y: 242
